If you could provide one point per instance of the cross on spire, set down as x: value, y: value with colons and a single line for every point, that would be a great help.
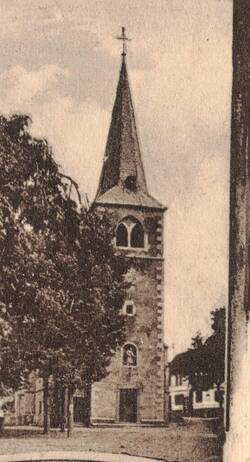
x: 124, y: 39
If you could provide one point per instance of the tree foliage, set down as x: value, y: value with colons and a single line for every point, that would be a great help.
x: 204, y: 362
x: 61, y: 285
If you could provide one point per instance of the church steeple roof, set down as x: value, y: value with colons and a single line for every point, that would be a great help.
x: 122, y: 178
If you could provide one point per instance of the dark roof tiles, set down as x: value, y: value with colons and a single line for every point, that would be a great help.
x: 122, y: 155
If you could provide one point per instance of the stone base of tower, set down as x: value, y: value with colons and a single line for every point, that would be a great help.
x: 130, y: 396
x: 106, y: 407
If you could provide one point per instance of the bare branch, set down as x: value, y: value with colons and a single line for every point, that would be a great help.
x: 72, y: 182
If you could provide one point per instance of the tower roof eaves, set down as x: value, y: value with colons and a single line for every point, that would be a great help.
x: 118, y: 196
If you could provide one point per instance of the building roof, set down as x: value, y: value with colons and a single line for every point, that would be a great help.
x: 122, y: 160
x: 119, y: 196
x: 193, y: 358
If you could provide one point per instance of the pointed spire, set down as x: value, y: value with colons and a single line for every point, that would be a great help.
x: 122, y: 155
x: 122, y: 178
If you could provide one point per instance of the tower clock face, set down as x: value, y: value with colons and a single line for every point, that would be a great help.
x: 130, y: 183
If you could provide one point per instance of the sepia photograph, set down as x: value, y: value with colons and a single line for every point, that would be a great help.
x: 124, y: 230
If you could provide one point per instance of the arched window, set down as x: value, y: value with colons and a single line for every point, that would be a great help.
x: 137, y: 236
x: 130, y: 233
x: 129, y: 355
x: 122, y: 236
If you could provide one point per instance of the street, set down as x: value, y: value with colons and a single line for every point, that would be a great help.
x: 174, y: 443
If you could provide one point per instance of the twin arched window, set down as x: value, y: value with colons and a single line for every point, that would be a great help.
x: 130, y: 233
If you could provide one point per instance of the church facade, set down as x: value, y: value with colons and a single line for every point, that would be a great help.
x: 134, y: 390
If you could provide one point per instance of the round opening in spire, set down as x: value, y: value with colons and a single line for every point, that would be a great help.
x: 130, y: 183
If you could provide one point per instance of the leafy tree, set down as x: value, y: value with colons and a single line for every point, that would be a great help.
x: 215, y: 351
x: 61, y: 285
x: 204, y: 363
x: 208, y: 357
x: 197, y: 341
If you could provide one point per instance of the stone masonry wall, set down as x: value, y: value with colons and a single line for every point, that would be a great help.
x: 145, y: 329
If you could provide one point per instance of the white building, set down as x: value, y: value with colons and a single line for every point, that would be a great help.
x: 183, y: 401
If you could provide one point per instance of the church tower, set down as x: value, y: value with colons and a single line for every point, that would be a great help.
x: 134, y: 390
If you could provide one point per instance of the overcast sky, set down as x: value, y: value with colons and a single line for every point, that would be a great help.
x: 60, y: 64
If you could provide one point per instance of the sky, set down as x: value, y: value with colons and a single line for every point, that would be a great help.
x: 60, y: 64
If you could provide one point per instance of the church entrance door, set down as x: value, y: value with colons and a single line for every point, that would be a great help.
x: 128, y: 405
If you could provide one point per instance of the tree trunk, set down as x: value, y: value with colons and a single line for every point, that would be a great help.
x: 70, y: 416
x: 221, y: 412
x: 55, y: 406
x: 1, y: 425
x: 190, y: 402
x: 88, y: 404
x: 46, y: 416
x: 62, y: 410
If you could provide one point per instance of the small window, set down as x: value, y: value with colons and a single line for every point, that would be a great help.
x: 130, y: 183
x: 179, y: 400
x: 178, y: 380
x: 129, y: 357
x: 137, y: 236
x: 40, y: 407
x: 198, y: 396
x: 219, y: 396
x: 122, y: 236
x: 129, y: 308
